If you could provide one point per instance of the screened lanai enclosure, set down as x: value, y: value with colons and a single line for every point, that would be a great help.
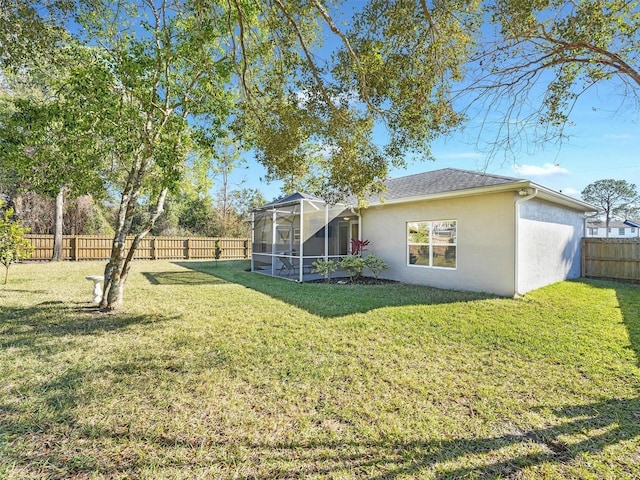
x: 291, y: 233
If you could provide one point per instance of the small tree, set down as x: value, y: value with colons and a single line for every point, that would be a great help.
x: 13, y: 245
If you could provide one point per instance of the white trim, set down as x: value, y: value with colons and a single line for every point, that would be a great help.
x: 516, y: 243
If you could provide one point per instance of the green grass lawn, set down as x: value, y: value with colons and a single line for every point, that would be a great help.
x: 213, y: 372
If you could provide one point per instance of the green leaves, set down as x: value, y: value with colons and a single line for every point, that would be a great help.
x: 393, y: 67
x: 13, y: 246
x: 547, y: 54
x: 54, y: 112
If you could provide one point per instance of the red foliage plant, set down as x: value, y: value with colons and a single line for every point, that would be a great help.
x: 358, y: 246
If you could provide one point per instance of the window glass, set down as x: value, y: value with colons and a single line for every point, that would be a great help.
x: 432, y: 243
x: 419, y: 232
x: 444, y: 232
x: 419, y: 255
x: 621, y: 231
x: 444, y: 256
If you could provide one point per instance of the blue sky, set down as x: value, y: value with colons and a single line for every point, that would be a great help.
x: 603, y: 143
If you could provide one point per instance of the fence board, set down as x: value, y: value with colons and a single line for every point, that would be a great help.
x: 613, y: 258
x: 90, y: 247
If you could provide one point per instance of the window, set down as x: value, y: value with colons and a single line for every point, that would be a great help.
x: 432, y: 243
x: 594, y: 231
x: 621, y: 231
x: 633, y: 229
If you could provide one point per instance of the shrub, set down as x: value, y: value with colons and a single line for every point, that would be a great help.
x: 13, y: 246
x: 353, y: 265
x: 375, y: 264
x: 325, y: 267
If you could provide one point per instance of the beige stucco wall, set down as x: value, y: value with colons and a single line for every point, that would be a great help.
x: 485, y: 245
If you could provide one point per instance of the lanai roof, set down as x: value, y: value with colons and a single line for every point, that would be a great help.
x: 293, y: 198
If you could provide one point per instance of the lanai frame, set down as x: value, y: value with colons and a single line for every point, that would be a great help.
x: 289, y: 234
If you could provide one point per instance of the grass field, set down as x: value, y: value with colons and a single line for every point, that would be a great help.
x: 213, y: 372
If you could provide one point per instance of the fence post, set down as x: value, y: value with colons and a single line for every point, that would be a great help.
x: 246, y: 248
x: 153, y: 248
x: 74, y: 248
x: 188, y: 246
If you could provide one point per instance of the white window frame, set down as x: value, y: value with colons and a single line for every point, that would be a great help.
x: 431, y: 244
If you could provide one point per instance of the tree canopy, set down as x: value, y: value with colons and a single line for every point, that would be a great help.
x: 614, y: 199
x: 536, y: 60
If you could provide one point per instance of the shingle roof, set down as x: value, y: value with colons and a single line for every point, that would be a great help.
x: 613, y: 224
x: 440, y: 181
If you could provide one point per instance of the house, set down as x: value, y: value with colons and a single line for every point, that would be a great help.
x: 446, y: 228
x: 617, y: 229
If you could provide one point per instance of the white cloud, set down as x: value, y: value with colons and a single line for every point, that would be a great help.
x: 618, y: 136
x: 547, y: 170
x: 572, y: 192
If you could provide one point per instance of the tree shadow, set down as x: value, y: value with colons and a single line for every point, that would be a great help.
x: 182, y: 278
x: 629, y: 301
x: 332, y: 300
x: 18, y: 290
x: 613, y: 421
x: 38, y: 408
x: 34, y: 327
x: 578, y: 430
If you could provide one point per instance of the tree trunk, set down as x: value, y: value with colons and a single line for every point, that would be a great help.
x: 112, y: 296
x: 6, y: 275
x: 57, y: 239
x: 117, y: 270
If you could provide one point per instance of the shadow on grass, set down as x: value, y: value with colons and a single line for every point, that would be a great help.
x: 578, y: 430
x: 181, y: 278
x: 629, y: 302
x: 331, y: 300
x: 34, y: 327
x: 614, y: 420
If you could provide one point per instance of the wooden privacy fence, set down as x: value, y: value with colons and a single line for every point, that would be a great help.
x: 89, y: 247
x: 612, y: 258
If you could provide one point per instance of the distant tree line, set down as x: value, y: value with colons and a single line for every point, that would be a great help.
x: 185, y: 214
